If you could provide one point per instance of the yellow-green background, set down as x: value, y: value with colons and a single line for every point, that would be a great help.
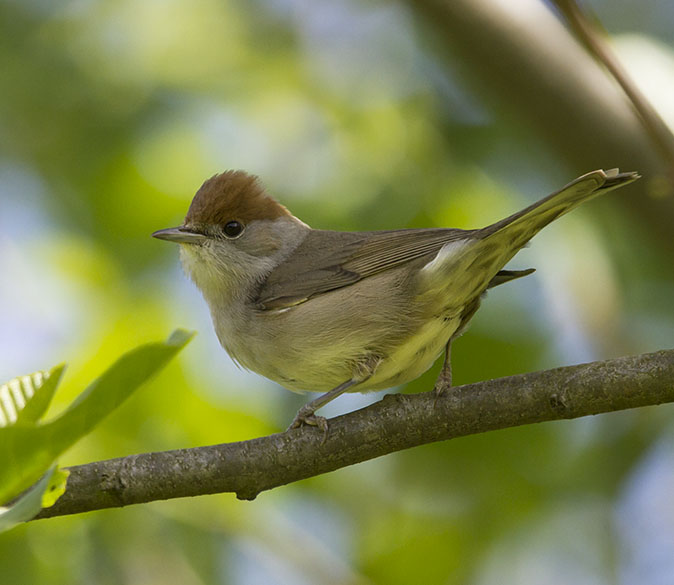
x: 113, y: 112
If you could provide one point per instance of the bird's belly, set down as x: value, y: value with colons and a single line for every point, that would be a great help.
x: 415, y: 356
x: 319, y: 362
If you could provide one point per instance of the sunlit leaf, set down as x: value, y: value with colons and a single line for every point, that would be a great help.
x: 30, y: 503
x: 26, y: 398
x: 28, y: 449
x: 55, y: 488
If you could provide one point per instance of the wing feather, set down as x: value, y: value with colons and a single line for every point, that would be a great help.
x: 325, y: 261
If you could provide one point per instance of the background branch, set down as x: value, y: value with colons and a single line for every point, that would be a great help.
x: 397, y: 422
x: 527, y: 64
x: 598, y: 47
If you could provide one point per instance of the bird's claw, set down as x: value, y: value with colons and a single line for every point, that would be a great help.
x: 442, y: 384
x: 307, y: 417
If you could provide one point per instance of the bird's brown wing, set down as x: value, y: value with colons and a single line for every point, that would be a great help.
x: 321, y: 263
x: 325, y: 261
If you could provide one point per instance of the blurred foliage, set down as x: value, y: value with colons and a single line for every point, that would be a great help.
x: 29, y: 446
x: 42, y: 494
x: 113, y: 112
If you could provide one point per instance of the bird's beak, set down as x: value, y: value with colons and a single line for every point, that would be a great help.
x: 180, y: 235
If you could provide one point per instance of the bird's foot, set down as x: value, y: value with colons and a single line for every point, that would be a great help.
x: 443, y: 383
x: 307, y: 416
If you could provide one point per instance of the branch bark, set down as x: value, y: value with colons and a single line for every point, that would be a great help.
x: 397, y: 422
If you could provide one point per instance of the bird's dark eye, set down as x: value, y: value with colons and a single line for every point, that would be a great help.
x: 233, y: 229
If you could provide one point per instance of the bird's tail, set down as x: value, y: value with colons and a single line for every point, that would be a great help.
x: 476, y: 265
x: 515, y: 231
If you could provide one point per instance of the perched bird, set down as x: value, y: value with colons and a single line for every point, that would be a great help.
x: 331, y: 311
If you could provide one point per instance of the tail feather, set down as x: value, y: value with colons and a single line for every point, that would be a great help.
x: 520, y: 227
x: 476, y: 263
x: 503, y: 276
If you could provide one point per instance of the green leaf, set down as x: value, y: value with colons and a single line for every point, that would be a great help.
x: 27, y: 450
x: 29, y: 504
x: 26, y: 399
x: 56, y: 487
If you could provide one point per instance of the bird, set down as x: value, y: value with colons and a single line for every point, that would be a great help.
x: 336, y: 311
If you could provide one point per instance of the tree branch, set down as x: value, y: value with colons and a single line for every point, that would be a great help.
x: 598, y: 47
x: 397, y: 422
x: 520, y: 56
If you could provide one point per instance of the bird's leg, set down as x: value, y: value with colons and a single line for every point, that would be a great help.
x: 444, y: 380
x: 306, y: 416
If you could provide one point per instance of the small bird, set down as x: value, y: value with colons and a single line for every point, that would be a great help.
x: 336, y: 312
